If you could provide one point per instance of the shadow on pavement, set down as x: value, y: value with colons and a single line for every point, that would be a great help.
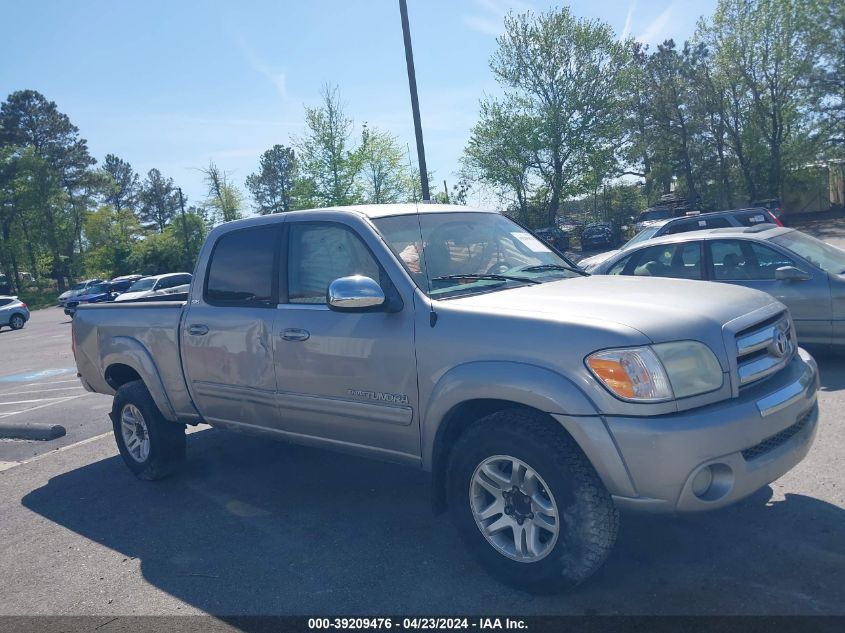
x: 255, y: 527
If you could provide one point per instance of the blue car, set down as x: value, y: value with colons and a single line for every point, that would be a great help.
x: 97, y: 293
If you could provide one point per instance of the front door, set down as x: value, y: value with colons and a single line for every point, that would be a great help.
x: 753, y: 264
x: 347, y: 379
x: 227, y: 335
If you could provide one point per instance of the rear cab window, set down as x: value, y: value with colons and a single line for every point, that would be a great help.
x: 241, y: 268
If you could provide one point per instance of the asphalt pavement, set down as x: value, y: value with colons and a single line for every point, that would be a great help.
x: 256, y: 527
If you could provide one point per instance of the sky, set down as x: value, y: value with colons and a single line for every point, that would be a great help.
x: 175, y: 84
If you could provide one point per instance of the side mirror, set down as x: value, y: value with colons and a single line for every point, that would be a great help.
x: 791, y: 273
x: 354, y: 294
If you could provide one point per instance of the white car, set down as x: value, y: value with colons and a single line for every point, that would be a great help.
x: 159, y: 285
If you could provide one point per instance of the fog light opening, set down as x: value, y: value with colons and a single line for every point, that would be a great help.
x: 701, y: 482
x: 713, y: 482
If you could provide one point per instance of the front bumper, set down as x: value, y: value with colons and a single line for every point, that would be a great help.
x: 737, y: 445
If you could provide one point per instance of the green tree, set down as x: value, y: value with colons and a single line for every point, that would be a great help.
x: 500, y: 153
x: 53, y: 174
x: 110, y: 234
x: 330, y: 164
x: 567, y: 79
x: 122, y: 184
x: 274, y: 185
x: 770, y: 48
x: 159, y: 201
x: 224, y: 198
x: 384, y: 175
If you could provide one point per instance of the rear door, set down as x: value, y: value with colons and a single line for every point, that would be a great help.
x: 348, y: 379
x: 753, y: 264
x: 227, y: 333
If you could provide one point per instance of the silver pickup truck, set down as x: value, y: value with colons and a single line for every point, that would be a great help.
x: 541, y: 399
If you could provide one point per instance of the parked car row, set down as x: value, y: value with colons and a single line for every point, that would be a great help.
x: 801, y: 271
x: 127, y: 288
x: 690, y: 222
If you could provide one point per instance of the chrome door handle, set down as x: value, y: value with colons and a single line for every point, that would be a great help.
x: 295, y: 334
x: 197, y: 329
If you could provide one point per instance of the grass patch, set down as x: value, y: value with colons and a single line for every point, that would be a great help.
x: 37, y: 299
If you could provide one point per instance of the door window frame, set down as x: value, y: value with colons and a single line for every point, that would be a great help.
x: 274, y: 280
x: 389, y: 289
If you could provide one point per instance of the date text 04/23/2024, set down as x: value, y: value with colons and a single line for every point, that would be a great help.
x: 422, y: 623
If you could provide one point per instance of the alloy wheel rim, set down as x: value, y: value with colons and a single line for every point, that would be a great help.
x: 136, y: 436
x: 514, y: 508
x: 17, y: 322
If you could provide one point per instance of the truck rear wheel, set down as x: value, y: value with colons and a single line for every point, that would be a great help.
x: 528, y: 502
x: 151, y: 446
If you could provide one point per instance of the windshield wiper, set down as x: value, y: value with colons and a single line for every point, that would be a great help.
x: 486, y: 277
x: 541, y: 267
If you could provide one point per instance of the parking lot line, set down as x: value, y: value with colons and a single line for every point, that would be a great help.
x: 30, y: 401
x: 41, y: 406
x: 15, y: 393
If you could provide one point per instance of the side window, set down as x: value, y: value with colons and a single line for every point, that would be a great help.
x: 164, y: 284
x: 765, y: 261
x: 5, y: 302
x: 241, y: 268
x: 654, y: 261
x: 319, y: 253
x: 683, y: 227
x: 750, y: 219
x: 728, y: 260
x: 619, y: 266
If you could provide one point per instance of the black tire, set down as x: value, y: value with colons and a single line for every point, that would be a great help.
x: 16, y: 322
x: 166, y: 439
x: 590, y: 521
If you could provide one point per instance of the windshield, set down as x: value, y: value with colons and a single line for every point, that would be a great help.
x: 829, y: 258
x: 97, y: 289
x: 142, y: 284
x: 655, y: 214
x: 465, y: 253
x: 642, y: 236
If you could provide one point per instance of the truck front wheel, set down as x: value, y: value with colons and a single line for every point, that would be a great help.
x: 528, y: 502
x: 151, y: 446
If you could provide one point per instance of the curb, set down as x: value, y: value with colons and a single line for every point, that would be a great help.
x: 42, y: 432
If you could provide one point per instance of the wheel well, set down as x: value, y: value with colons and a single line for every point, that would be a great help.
x: 118, y: 375
x: 454, y: 424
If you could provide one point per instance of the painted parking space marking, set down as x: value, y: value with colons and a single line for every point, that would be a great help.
x: 52, y: 382
x: 7, y: 414
x: 37, y: 375
x: 15, y: 393
x: 34, y: 400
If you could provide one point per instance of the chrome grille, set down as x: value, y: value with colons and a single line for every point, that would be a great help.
x: 764, y: 349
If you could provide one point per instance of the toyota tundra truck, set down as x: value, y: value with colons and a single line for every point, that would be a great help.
x: 541, y: 400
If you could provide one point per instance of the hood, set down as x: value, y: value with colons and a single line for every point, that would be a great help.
x: 126, y: 296
x: 661, y: 309
x: 91, y: 297
x: 588, y: 263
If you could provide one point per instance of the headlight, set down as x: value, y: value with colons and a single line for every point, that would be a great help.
x: 692, y: 367
x: 659, y: 372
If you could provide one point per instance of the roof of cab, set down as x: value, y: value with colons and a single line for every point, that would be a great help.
x: 366, y: 210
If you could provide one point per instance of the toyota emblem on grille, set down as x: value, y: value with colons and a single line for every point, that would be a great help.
x: 780, y: 344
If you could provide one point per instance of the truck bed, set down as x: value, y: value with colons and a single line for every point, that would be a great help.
x: 103, y: 332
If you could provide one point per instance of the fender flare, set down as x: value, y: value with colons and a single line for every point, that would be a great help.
x: 125, y: 350
x: 530, y: 386
x: 520, y: 383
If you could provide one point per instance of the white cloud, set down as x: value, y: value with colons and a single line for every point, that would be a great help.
x: 626, y: 30
x: 277, y: 78
x: 656, y: 31
x: 490, y: 15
